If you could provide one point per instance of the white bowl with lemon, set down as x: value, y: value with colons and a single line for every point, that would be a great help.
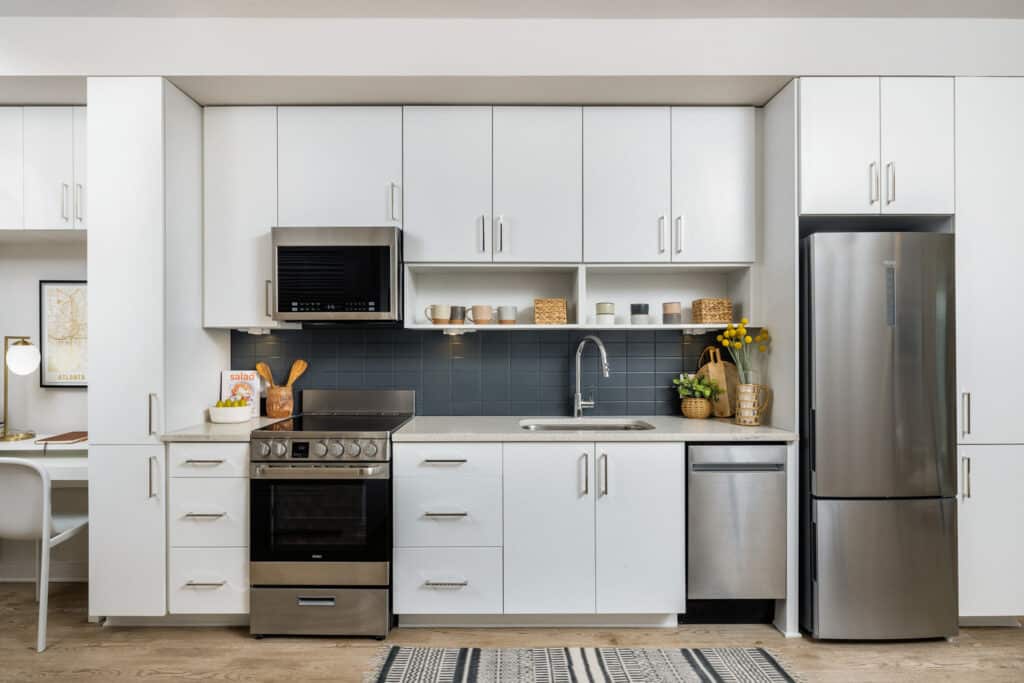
x: 231, y: 411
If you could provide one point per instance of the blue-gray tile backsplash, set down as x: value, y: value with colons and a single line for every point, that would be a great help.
x: 484, y: 373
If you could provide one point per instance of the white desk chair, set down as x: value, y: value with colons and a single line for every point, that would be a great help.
x: 25, y: 514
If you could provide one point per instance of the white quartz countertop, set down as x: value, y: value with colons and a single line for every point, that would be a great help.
x: 506, y: 428
x: 211, y: 432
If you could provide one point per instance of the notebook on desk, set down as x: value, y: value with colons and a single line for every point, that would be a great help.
x: 65, y: 438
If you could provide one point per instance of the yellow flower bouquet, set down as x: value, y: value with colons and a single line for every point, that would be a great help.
x: 742, y: 344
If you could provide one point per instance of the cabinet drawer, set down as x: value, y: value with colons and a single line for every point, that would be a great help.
x: 208, y: 513
x: 208, y: 581
x: 447, y: 461
x: 459, y: 512
x: 447, y: 581
x: 209, y: 460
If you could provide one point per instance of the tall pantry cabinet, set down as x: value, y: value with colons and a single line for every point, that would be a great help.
x: 152, y: 366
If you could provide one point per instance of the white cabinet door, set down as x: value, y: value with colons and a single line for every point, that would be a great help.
x: 839, y: 146
x: 447, y: 184
x: 538, y: 184
x: 917, y: 145
x: 989, y: 178
x: 49, y: 167
x: 78, y: 133
x: 990, y: 545
x: 11, y: 167
x: 714, y: 184
x: 127, y: 531
x: 339, y: 166
x: 641, y: 513
x: 239, y: 209
x: 627, y: 187
x: 549, y: 528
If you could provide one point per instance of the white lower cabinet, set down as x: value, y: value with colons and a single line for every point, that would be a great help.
x: 990, y: 545
x: 447, y: 581
x: 208, y: 581
x: 211, y: 512
x: 460, y: 512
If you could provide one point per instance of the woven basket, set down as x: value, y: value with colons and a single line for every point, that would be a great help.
x: 751, y: 404
x: 550, y: 312
x: 696, y: 408
x: 712, y: 310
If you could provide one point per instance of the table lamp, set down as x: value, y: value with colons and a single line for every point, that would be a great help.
x: 21, y: 358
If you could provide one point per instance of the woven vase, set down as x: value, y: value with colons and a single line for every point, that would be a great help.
x: 696, y: 408
x: 751, y: 404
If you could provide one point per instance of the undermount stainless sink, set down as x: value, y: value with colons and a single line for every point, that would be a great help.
x: 573, y: 424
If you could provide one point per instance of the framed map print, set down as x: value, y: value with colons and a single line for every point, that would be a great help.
x: 63, y: 333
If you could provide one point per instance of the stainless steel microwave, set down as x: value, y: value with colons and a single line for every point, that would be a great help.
x: 337, y: 274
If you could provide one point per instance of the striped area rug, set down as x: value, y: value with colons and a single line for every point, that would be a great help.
x: 577, y: 665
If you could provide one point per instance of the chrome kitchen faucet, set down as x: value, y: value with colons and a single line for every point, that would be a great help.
x: 578, y: 404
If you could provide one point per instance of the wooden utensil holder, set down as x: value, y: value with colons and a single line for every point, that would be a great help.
x: 280, y: 401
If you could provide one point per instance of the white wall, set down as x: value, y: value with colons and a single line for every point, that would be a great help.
x: 502, y: 47
x: 22, y: 266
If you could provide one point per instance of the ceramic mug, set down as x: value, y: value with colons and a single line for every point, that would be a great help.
x: 638, y: 314
x: 507, y: 315
x: 439, y: 314
x: 457, y: 315
x: 605, y: 308
x: 481, y: 315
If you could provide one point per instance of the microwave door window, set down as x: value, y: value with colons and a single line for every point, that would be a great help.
x: 338, y: 279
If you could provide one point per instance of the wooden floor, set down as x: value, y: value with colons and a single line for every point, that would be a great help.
x: 82, y: 651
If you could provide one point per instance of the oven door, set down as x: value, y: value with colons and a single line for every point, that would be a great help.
x: 306, y: 520
x: 337, y: 274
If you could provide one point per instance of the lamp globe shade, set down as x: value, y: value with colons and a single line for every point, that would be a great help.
x: 22, y: 359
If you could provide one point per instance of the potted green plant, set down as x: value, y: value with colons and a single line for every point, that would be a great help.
x: 696, y: 393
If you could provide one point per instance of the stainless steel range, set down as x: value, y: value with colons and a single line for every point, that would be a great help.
x: 320, y: 515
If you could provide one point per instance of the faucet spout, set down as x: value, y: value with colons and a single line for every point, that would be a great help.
x: 578, y: 404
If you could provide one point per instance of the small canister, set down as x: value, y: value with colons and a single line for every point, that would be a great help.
x: 639, y: 314
x: 672, y: 313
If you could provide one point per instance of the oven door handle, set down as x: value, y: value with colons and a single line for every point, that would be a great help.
x: 264, y: 471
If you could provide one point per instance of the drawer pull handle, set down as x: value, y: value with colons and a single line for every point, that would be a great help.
x: 445, y: 461
x: 445, y: 584
x: 205, y: 515
x: 446, y: 514
x: 315, y: 602
x: 197, y: 461
x: 206, y: 584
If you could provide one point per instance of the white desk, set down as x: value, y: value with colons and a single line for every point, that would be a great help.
x: 68, y: 465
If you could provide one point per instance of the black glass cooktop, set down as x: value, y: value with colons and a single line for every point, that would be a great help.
x: 338, y: 423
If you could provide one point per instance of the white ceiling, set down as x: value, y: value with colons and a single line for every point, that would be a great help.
x: 515, y: 8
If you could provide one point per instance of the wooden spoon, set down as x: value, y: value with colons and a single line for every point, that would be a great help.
x: 265, y: 373
x: 298, y: 367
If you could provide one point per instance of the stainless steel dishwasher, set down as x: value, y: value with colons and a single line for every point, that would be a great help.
x: 736, y: 526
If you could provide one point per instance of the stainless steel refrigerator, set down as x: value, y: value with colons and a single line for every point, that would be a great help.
x: 878, y: 436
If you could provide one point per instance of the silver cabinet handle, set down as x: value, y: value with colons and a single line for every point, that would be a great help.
x: 206, y: 584
x: 267, y: 296
x: 661, y: 234
x: 483, y: 232
x: 315, y: 601
x: 446, y: 515
x: 965, y: 478
x: 604, y: 483
x: 205, y: 515
x: 679, y: 235
x: 150, y: 493
x: 965, y: 413
x: 586, y: 475
x: 968, y: 477
x: 873, y: 181
x: 64, y: 201
x: 501, y: 233
x: 890, y: 182
x: 445, y: 584
x: 78, y: 201
x: 196, y: 461
x: 444, y: 461
x: 391, y: 196
x: 150, y: 414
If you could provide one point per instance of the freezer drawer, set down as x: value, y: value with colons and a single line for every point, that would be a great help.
x: 736, y: 526
x: 884, y: 569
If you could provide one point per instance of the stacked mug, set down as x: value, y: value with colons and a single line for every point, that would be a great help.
x: 480, y: 314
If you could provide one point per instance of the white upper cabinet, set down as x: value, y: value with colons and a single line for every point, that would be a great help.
x: 240, y: 208
x: 447, y: 183
x: 627, y: 187
x: 11, y: 167
x: 641, y: 513
x: 714, y: 184
x: 917, y: 145
x: 49, y: 168
x: 339, y: 166
x: 538, y: 184
x: 876, y: 145
x: 78, y: 126
x: 839, y: 146
x: 989, y: 178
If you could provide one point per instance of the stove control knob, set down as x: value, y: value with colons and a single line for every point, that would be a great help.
x: 336, y: 449
x: 320, y: 449
x: 262, y: 449
x: 353, y: 449
x: 279, y: 449
x: 370, y: 450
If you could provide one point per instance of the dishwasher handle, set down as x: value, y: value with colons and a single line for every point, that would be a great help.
x: 737, y: 467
